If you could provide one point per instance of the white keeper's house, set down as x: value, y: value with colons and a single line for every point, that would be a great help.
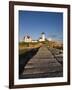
x: 27, y: 38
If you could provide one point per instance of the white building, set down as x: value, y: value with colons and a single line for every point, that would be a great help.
x: 34, y: 41
x: 42, y: 38
x: 27, y: 39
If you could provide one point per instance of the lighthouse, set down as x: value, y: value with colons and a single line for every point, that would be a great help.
x: 43, y: 36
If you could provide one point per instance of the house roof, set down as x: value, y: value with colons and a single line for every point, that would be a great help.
x: 27, y: 36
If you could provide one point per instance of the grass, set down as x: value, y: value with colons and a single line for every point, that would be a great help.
x: 25, y: 46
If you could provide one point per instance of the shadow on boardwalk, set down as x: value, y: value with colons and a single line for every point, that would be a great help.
x: 25, y: 57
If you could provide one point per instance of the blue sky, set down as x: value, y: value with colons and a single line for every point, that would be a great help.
x: 32, y: 23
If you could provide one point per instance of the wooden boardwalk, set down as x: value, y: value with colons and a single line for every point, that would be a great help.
x: 43, y: 64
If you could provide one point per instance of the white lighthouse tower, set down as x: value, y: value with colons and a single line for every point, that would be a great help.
x: 43, y: 36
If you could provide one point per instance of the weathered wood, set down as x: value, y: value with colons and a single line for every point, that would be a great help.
x: 43, y: 64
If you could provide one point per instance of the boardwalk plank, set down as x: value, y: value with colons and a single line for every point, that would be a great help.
x: 42, y: 64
